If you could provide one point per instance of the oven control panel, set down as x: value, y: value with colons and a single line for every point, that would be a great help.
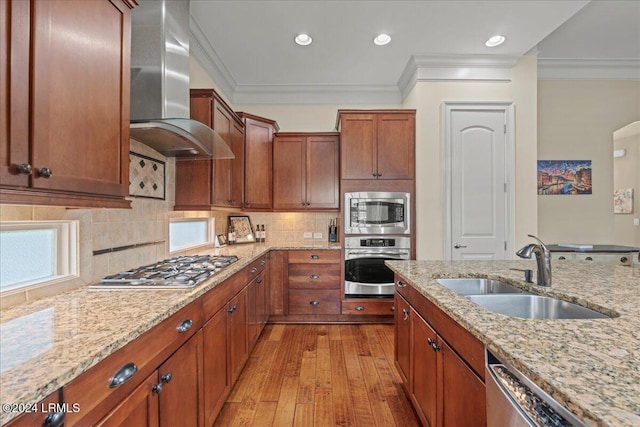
x: 377, y: 243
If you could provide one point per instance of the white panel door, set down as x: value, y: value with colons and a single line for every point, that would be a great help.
x: 478, y: 184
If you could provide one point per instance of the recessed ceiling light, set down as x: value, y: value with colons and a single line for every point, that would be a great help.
x: 382, y: 39
x: 495, y: 41
x: 303, y: 39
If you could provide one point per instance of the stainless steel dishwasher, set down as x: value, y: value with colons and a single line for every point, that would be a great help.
x: 515, y: 401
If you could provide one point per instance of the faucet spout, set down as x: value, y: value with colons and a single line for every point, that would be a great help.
x: 543, y: 260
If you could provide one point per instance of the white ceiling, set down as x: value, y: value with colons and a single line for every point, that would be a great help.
x: 248, y: 48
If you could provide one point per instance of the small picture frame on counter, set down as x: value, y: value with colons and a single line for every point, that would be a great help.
x: 221, y: 240
x: 242, y: 229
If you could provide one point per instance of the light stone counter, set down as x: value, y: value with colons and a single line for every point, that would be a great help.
x: 46, y: 343
x: 591, y: 366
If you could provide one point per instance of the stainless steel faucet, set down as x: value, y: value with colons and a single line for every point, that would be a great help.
x: 543, y: 259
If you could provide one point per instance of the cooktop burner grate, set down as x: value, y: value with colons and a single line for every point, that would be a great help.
x: 181, y: 272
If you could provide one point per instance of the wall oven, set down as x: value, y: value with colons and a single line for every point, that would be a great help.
x: 376, y: 213
x: 365, y: 272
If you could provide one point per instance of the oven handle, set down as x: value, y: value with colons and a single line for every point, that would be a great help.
x: 396, y: 254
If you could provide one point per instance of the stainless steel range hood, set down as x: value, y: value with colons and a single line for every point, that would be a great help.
x: 160, y: 84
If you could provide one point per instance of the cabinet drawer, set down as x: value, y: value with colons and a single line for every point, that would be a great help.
x: 314, y: 302
x: 218, y: 297
x: 314, y: 276
x: 256, y: 267
x: 93, y: 390
x: 374, y: 306
x: 322, y: 256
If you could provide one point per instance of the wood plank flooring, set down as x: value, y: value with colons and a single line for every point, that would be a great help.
x: 320, y: 375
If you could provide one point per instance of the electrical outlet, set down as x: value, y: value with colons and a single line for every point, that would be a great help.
x: 636, y: 221
x: 317, y: 235
x: 308, y: 235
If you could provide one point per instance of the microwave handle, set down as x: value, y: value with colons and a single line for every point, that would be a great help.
x: 378, y: 253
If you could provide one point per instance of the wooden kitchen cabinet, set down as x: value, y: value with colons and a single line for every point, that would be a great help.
x: 203, y: 183
x: 377, y: 144
x: 314, y: 282
x: 258, y: 168
x: 140, y: 408
x: 306, y: 173
x: 258, y: 301
x: 56, y: 147
x: 445, y: 385
x: 237, y: 334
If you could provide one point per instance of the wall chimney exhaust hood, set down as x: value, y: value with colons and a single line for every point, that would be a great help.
x: 160, y: 84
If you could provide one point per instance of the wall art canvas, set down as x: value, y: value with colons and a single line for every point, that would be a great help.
x: 623, y: 201
x: 242, y: 227
x: 146, y: 177
x: 564, y: 177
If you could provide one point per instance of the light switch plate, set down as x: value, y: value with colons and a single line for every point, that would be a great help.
x: 308, y: 235
x: 636, y: 221
x: 317, y: 235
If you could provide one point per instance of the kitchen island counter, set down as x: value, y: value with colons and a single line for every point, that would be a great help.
x: 46, y: 343
x: 591, y: 366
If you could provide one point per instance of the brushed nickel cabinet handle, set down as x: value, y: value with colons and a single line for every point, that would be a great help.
x: 359, y: 308
x: 54, y: 419
x: 314, y: 256
x: 185, y: 326
x: 314, y: 303
x: 315, y: 276
x: 44, y: 172
x: 24, y: 168
x: 123, y: 375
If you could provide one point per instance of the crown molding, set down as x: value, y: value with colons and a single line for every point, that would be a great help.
x: 454, y: 67
x: 317, y: 94
x: 203, y: 51
x: 588, y: 69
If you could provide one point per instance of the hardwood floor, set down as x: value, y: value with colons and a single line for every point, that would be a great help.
x: 320, y: 375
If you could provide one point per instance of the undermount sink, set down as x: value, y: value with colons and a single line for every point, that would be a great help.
x: 474, y: 286
x: 529, y: 306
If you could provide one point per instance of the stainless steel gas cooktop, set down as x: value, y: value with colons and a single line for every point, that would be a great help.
x: 174, y: 273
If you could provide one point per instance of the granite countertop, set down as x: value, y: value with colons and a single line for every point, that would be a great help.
x: 591, y: 366
x: 46, y: 343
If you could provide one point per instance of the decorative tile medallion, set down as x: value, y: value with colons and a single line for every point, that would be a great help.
x: 146, y: 177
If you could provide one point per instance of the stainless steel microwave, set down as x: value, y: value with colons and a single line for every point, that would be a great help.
x: 377, y: 213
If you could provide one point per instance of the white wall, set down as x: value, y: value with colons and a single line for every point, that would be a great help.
x: 427, y: 98
x: 576, y: 121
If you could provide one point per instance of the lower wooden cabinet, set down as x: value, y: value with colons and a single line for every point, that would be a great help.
x: 314, y: 282
x: 216, y: 379
x: 48, y: 413
x: 140, y: 408
x: 237, y: 344
x: 444, y: 384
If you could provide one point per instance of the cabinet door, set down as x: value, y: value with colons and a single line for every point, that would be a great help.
x: 258, y: 184
x: 289, y: 171
x: 180, y: 398
x: 237, y: 165
x: 257, y: 307
x: 222, y: 124
x: 194, y: 184
x: 358, y: 134
x: 424, y: 367
x: 396, y: 146
x: 14, y: 92
x: 237, y: 334
x: 215, y: 375
x: 80, y: 96
x: 323, y: 172
x: 140, y: 408
x: 464, y: 394
x: 278, y: 282
x: 402, y: 337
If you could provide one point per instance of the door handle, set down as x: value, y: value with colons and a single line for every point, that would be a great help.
x: 458, y: 246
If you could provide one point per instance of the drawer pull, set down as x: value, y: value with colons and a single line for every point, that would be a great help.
x: 54, y: 420
x: 314, y: 303
x: 359, y: 307
x: 232, y: 308
x: 315, y: 276
x: 123, y: 375
x: 406, y: 313
x: 314, y: 256
x: 259, y: 280
x: 253, y: 270
x: 185, y: 326
x: 166, y: 378
x: 263, y: 262
x: 401, y: 284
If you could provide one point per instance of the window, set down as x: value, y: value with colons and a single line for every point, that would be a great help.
x: 37, y: 252
x: 187, y: 233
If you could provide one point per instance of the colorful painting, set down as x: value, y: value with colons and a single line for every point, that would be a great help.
x: 566, y: 177
x: 623, y: 201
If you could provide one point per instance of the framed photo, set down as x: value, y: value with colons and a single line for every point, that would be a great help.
x: 242, y: 227
x: 221, y: 240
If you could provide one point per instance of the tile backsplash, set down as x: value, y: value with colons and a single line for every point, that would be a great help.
x: 148, y: 222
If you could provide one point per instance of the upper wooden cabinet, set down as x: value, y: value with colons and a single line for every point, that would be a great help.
x: 306, y: 171
x: 201, y: 184
x: 258, y: 158
x: 377, y: 144
x: 64, y: 107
